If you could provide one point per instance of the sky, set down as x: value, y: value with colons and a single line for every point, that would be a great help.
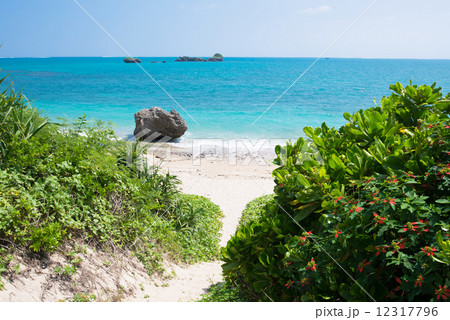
x: 235, y: 28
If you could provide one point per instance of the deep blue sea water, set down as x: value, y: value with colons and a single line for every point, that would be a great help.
x: 225, y: 98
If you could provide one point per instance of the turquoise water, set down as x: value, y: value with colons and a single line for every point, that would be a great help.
x: 224, y: 98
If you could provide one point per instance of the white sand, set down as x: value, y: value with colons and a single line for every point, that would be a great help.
x: 229, y: 186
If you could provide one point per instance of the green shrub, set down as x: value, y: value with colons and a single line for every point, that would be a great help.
x: 358, y: 211
x: 66, y: 180
x: 18, y: 121
x: 254, y: 210
x: 198, y: 222
x: 223, y: 292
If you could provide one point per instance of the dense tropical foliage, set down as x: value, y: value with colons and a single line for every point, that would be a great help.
x: 360, y: 213
x: 66, y: 181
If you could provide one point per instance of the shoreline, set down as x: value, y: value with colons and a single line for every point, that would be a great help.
x: 229, y: 179
x: 232, y: 151
x: 231, y: 185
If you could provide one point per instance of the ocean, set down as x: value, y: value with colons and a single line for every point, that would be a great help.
x: 220, y: 100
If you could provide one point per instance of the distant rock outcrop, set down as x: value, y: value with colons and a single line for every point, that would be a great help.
x: 215, y: 58
x: 131, y: 60
x: 154, y: 121
x: 189, y: 59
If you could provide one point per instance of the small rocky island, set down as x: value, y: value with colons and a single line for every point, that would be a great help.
x: 215, y: 58
x: 155, y: 123
x: 131, y: 60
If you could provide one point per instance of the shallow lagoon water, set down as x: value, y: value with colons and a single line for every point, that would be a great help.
x: 218, y: 99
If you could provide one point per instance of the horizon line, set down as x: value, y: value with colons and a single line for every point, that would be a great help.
x: 254, y: 57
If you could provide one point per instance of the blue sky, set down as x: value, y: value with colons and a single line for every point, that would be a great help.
x: 240, y: 28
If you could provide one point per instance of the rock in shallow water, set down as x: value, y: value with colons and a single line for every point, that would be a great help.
x: 156, y: 120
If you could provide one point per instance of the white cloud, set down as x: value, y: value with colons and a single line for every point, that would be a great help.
x: 320, y: 9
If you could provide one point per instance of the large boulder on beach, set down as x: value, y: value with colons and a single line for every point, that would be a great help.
x: 154, y: 121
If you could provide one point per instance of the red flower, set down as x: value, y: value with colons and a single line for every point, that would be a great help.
x: 337, y: 233
x: 289, y: 284
x: 394, y: 180
x: 362, y: 264
x: 303, y: 239
x: 397, y: 246
x: 410, y: 226
x: 357, y: 209
x: 424, y: 230
x: 378, y: 219
x: 380, y: 249
x: 399, y: 281
x: 340, y: 198
x: 312, y: 265
x: 442, y: 292
x: 304, y: 281
x: 419, y: 281
x: 429, y: 250
x: 391, y: 294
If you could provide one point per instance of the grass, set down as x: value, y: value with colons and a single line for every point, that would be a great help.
x: 223, y: 292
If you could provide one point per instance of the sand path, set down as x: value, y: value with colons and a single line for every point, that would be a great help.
x: 229, y: 186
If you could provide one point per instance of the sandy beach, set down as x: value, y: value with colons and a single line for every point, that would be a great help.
x: 229, y: 182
